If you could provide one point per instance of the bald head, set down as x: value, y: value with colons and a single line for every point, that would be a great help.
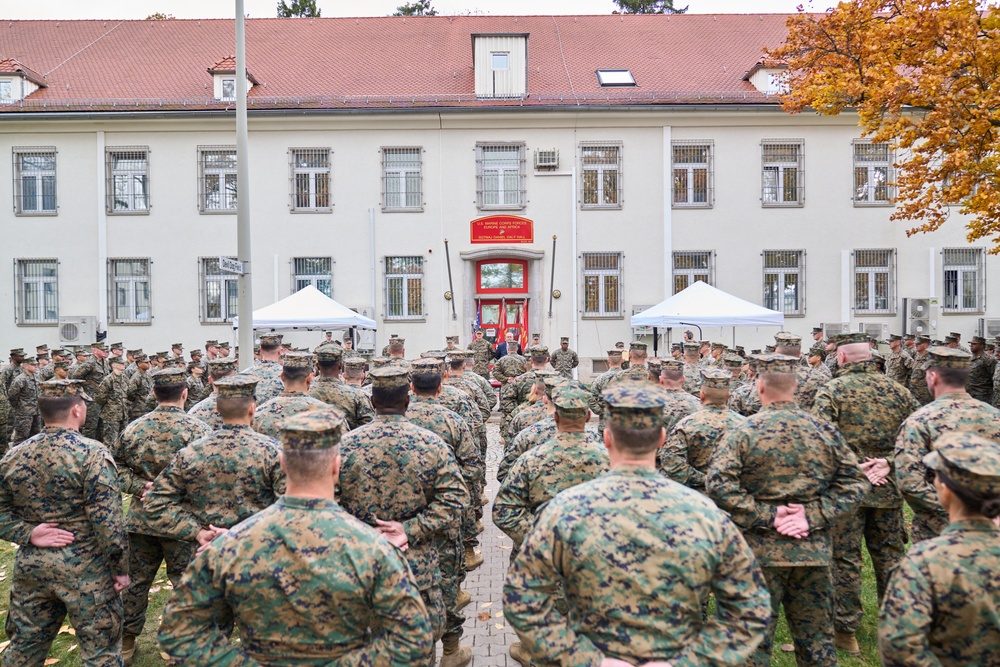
x: 853, y: 353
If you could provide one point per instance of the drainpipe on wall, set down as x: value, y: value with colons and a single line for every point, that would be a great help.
x: 371, y: 246
x: 102, y: 239
x: 576, y: 283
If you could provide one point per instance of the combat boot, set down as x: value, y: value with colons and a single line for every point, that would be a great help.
x: 846, y: 642
x: 454, y: 655
x: 128, y: 649
x: 480, y: 527
x: 472, y: 559
x: 520, y: 655
x: 463, y: 599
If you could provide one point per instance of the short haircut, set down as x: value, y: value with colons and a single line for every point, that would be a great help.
x: 390, y: 398
x: 637, y: 441
x: 354, y: 372
x: 458, y: 364
x: 233, y: 407
x: 395, y: 348
x: 672, y: 375
x: 219, y: 373
x: 637, y: 355
x: 328, y: 366
x: 790, y: 350
x: 952, y: 377
x: 168, y: 393
x: 269, y: 347
x: 55, y: 409
x: 295, y: 373
x: 782, y: 383
x: 308, y: 465
x: 716, y: 396
x: 539, y: 358
x: 426, y: 383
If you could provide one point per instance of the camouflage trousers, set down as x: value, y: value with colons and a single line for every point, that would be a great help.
x: 807, y: 595
x: 926, y: 525
x: 91, y: 427
x: 482, y: 371
x: 470, y: 539
x: 884, y: 533
x: 5, y: 418
x: 451, y: 560
x: 145, y: 555
x: 111, y: 429
x: 23, y: 427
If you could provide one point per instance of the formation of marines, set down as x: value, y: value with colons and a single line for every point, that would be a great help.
x: 329, y: 509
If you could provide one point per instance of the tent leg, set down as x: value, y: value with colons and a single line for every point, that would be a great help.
x: 656, y: 337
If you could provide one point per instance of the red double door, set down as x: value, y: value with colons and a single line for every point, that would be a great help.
x: 498, y: 316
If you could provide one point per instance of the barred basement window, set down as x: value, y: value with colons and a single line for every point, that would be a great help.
x: 34, y: 180
x: 310, y: 179
x: 404, y: 294
x: 875, y: 282
x: 694, y: 175
x: 872, y: 173
x: 602, y: 284
x: 782, y: 176
x: 402, y: 181
x: 964, y: 273
x: 128, y: 291
x: 602, y: 175
x: 784, y: 281
x: 500, y: 176
x: 218, y: 293
x: 692, y: 266
x: 36, y: 282
x: 216, y: 179
x: 315, y: 271
x: 127, y: 186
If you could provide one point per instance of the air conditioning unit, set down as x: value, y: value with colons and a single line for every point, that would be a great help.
x: 77, y: 330
x: 920, y: 316
x: 365, y: 337
x: 548, y: 159
x: 834, y: 328
x: 641, y: 331
x: 989, y: 327
x: 876, y: 330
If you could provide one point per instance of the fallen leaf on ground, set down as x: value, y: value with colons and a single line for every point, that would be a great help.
x: 164, y: 656
x: 72, y: 648
x: 504, y: 546
x: 154, y: 589
x: 484, y: 616
x: 498, y: 626
x: 788, y: 648
x: 498, y: 614
x: 51, y: 661
x: 4, y: 645
x: 485, y: 605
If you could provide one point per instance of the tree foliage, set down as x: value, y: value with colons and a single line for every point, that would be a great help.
x: 159, y: 16
x: 922, y: 76
x: 647, y: 7
x: 416, y: 8
x: 298, y: 8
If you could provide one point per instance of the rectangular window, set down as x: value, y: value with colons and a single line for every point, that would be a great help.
x: 315, y: 271
x: 692, y: 266
x: 218, y: 291
x: 37, y: 285
x: 500, y: 60
x: 694, y: 177
x: 229, y: 89
x: 404, y: 287
x: 872, y: 173
x: 875, y: 282
x: 500, y: 176
x: 128, y: 287
x: 216, y: 179
x: 401, y: 179
x: 6, y: 92
x: 310, y: 179
x: 964, y: 272
x: 602, y: 284
x: 782, y: 176
x: 127, y: 179
x: 602, y: 175
x: 784, y: 281
x: 35, y: 181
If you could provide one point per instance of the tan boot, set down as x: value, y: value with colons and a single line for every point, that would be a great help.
x: 128, y: 649
x: 463, y: 600
x: 520, y: 656
x: 480, y: 527
x: 454, y: 655
x: 472, y: 559
x: 846, y: 642
x: 483, y: 500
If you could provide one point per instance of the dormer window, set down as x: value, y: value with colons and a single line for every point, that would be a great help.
x: 615, y: 78
x: 768, y: 80
x: 6, y: 91
x: 501, y: 66
x: 228, y: 89
x: 224, y: 73
x: 500, y: 61
x: 17, y: 81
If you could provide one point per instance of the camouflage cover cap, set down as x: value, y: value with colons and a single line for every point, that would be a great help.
x: 673, y: 365
x: 177, y: 346
x: 31, y: 361
x: 480, y: 331
x: 817, y: 330
x: 786, y: 338
x: 460, y: 354
x: 298, y: 360
x: 211, y: 343
x: 715, y: 378
x: 62, y: 364
x: 922, y: 340
x: 393, y: 337
x: 692, y: 346
x: 849, y: 338
x: 329, y: 352
x: 909, y: 336
x: 551, y: 380
x: 379, y: 362
x: 817, y: 350
x: 17, y: 352
x: 390, y: 376
x: 732, y: 360
x: 637, y: 346
x: 98, y: 346
x: 61, y: 352
x: 162, y: 355
x: 979, y: 340
x: 82, y: 352
x: 434, y: 354
x: 195, y: 352
x: 614, y: 353
x: 451, y: 339
x: 769, y: 349
x: 572, y: 401
x: 354, y: 362
x: 271, y: 339
x: 894, y: 337
x: 677, y: 346
x: 312, y: 430
x: 120, y: 361
x: 538, y: 350
x: 397, y: 341
x: 42, y: 348
x: 169, y: 377
x: 775, y: 363
x: 139, y: 359
x: 969, y: 460
x: 62, y: 389
x: 426, y: 366
x: 654, y: 364
x: 133, y: 352
x: 175, y: 362
x: 718, y: 346
x: 946, y: 357
x: 221, y: 365
x: 951, y: 338
x: 634, y: 405
x: 954, y: 334
x: 564, y: 339
x: 236, y: 386
x: 43, y: 355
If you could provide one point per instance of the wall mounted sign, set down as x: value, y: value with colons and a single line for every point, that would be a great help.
x: 502, y: 229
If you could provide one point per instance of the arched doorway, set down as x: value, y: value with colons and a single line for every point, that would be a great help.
x: 503, y: 288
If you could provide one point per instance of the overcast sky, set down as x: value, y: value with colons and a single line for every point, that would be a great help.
x: 138, y: 9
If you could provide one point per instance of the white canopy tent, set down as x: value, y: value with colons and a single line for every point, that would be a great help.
x: 307, y: 310
x: 705, y: 306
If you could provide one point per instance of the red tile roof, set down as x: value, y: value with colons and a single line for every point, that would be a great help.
x: 227, y: 64
x: 390, y: 61
x: 11, y: 66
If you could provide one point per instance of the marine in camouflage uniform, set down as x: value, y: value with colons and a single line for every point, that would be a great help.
x: 525, y: 416
x: 197, y: 389
x: 586, y: 543
x: 307, y: 583
x: 205, y: 410
x: 23, y: 397
x: 92, y: 371
x: 564, y: 360
x: 112, y: 397
x: 867, y: 408
x: 483, y: 352
x: 469, y: 374
x: 140, y: 385
x: 515, y: 392
x: 60, y: 477
x: 297, y: 370
x: 507, y: 367
x: 784, y: 455
x: 600, y: 382
x: 268, y: 369
x: 898, y: 363
x: 330, y: 389
x: 918, y: 380
x: 678, y: 403
x: 981, y: 369
x: 692, y: 369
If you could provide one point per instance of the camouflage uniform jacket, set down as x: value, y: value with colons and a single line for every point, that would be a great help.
x: 941, y: 606
x: 679, y: 404
x: 513, y: 394
x: 112, y: 397
x: 542, y: 472
x: 810, y: 382
x: 475, y: 394
x: 483, y: 384
x: 206, y: 412
x: 685, y: 456
x: 525, y: 416
x: 564, y: 361
x: 597, y: 386
x: 196, y: 391
x: 598, y: 539
x: 996, y: 386
x: 428, y: 413
x: 918, y: 380
x: 459, y: 403
x: 92, y: 372
x: 482, y: 351
x: 785, y: 455
x: 47, y: 373
x: 23, y: 395
x: 7, y: 375
x: 146, y: 447
x: 59, y: 476
x: 824, y: 371
x: 270, y: 417
x: 692, y: 379
x: 308, y: 584
x: 541, y: 431
x: 137, y: 394
x: 394, y: 470
x: 221, y: 479
x: 130, y: 370
x: 508, y: 367
x: 746, y: 400
x: 898, y: 366
x: 980, y: 383
x: 351, y: 401
x: 951, y: 412
x: 269, y: 374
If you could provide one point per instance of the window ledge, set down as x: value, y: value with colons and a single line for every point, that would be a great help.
x: 328, y: 209
x: 128, y: 213
x: 782, y: 205
x: 794, y: 314
x: 217, y: 322
x: 131, y: 324
x: 415, y: 320
x: 601, y: 207
x: 402, y: 209
x: 36, y: 214
x: 38, y: 324
x: 510, y: 207
x: 595, y: 316
x: 683, y: 206
x: 962, y: 312
x: 873, y: 204
x: 219, y: 211
x: 867, y: 313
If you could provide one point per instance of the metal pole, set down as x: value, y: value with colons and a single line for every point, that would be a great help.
x: 245, y: 305
x: 656, y: 337
x: 451, y: 288
x: 552, y: 279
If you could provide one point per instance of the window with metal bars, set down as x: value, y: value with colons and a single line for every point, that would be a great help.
x: 129, y: 291
x: 315, y: 271
x: 36, y: 283
x: 784, y: 281
x: 404, y: 288
x: 874, y: 282
x: 218, y: 291
x: 692, y: 266
x: 872, y: 173
x: 601, y: 181
x: 216, y: 179
x: 402, y: 179
x: 500, y: 176
x: 127, y: 179
x: 694, y: 175
x: 964, y: 273
x: 782, y: 175
x: 602, y: 284
x: 310, y: 185
x: 34, y: 180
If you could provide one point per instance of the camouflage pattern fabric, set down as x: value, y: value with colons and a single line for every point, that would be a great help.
x: 196, y: 391
x: 483, y: 384
x: 564, y: 361
x: 205, y: 411
x: 653, y: 529
x: 679, y: 404
x: 23, y: 398
x: 508, y: 367
x: 112, y: 397
x: 596, y: 387
x: 539, y: 432
x: 4, y: 416
x: 899, y: 366
x: 483, y: 352
x: 525, y: 416
x: 270, y: 417
x: 745, y: 400
x: 351, y: 402
x: 980, y: 383
x: 692, y: 379
x: 92, y: 372
x: 308, y: 585
x: 806, y: 593
x: 140, y: 385
x: 459, y: 402
x: 809, y: 382
x: 685, y: 455
x: 918, y: 379
x: 269, y: 374
x: 472, y: 390
x: 512, y: 395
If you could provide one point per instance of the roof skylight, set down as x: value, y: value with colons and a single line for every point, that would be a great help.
x: 615, y: 77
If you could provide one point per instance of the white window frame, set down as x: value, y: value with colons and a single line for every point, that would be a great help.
x: 864, y: 192
x: 506, y: 198
x: 773, y: 191
x: 222, y: 199
x: 689, y: 169
x: 506, y: 61
x: 604, y: 266
x: 309, y: 271
x: 211, y: 278
x: 692, y: 266
x: 398, y: 283
x: 874, y: 275
x: 129, y: 287
x: 40, y: 177
x: 7, y: 91
x: 402, y: 180
x: 782, y: 273
x: 592, y: 161
x: 44, y: 277
x: 231, y: 80
x: 120, y: 162
x: 959, y: 266
x: 310, y: 200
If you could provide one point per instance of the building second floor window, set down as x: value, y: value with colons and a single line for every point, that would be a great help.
x: 402, y: 187
x: 784, y: 281
x: 500, y: 176
x: 218, y: 291
x: 693, y: 176
x: 128, y: 179
x: 128, y: 285
x: 315, y: 271
x: 34, y: 181
x: 692, y: 266
x: 875, y: 282
x: 964, y: 275
x: 36, y: 282
x: 404, y: 288
x: 602, y: 284
x: 872, y: 173
x: 782, y: 175
x: 217, y: 179
x: 601, y: 170
x: 311, y: 179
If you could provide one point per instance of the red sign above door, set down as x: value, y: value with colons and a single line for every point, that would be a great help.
x: 502, y: 229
